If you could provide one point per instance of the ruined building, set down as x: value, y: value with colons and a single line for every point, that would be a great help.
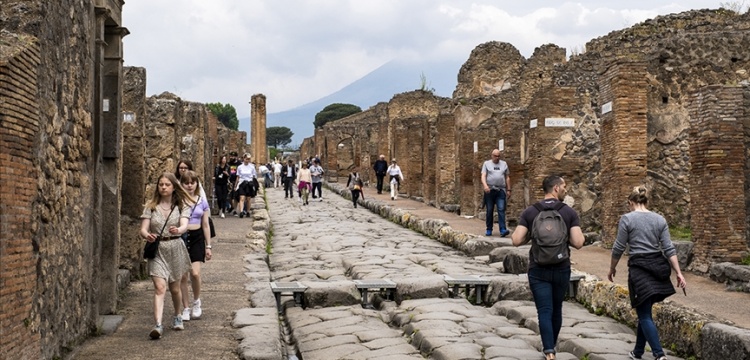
x: 75, y: 128
x: 665, y: 102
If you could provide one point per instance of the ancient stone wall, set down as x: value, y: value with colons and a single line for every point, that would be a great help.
x: 19, y: 126
x: 61, y: 262
x: 623, y: 92
x: 717, y: 117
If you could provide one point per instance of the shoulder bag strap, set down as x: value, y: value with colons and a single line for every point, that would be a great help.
x: 161, y: 233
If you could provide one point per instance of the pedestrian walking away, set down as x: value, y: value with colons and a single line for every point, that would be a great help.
x: 652, y: 260
x: 355, y: 185
x: 198, y: 243
x: 396, y: 177
x: 289, y: 172
x: 168, y: 208
x: 276, y: 174
x: 496, y: 186
x: 549, y: 282
x: 380, y: 167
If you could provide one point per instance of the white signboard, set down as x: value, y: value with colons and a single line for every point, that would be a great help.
x: 606, y: 108
x: 476, y: 147
x: 105, y: 105
x: 128, y: 117
x: 501, y: 145
x: 559, y: 122
x: 532, y: 123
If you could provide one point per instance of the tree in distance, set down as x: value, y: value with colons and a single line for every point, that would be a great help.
x: 226, y: 114
x: 278, y: 136
x: 334, y: 112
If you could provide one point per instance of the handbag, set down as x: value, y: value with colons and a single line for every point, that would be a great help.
x: 211, y: 228
x: 151, y: 248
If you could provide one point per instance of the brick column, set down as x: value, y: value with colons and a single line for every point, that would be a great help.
x: 258, y: 129
x: 717, y: 175
x: 19, y: 126
x: 624, y: 141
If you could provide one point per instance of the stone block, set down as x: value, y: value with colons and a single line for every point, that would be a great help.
x: 331, y: 293
x: 719, y: 341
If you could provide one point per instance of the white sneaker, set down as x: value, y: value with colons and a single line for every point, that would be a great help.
x: 186, y: 314
x: 197, y: 312
x: 222, y: 215
x: 177, y: 323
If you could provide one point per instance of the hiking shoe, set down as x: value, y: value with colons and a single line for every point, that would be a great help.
x: 177, y: 323
x: 197, y: 311
x: 156, y: 332
x: 222, y: 215
x: 488, y: 233
x: 242, y: 214
x: 633, y: 357
x: 186, y: 314
x: 504, y: 233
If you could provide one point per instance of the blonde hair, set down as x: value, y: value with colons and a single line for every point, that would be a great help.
x: 639, y: 195
x: 180, y: 197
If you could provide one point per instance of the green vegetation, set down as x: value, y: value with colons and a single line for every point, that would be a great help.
x: 424, y: 85
x: 273, y: 152
x: 745, y: 260
x: 334, y: 112
x: 226, y: 114
x: 677, y: 233
x: 278, y: 136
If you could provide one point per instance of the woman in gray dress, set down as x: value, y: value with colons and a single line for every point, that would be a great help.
x: 165, y: 217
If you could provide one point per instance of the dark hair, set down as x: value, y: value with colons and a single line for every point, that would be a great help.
x: 639, y: 195
x: 177, y: 170
x: 550, y: 182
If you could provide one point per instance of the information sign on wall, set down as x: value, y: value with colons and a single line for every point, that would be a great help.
x: 559, y: 122
x: 476, y: 147
x: 606, y: 108
x: 501, y: 145
x: 128, y: 117
x: 532, y: 123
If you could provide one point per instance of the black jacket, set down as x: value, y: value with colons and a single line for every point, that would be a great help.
x: 648, y: 277
x: 380, y: 167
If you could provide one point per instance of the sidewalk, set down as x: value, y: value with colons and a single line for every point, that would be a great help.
x: 703, y: 294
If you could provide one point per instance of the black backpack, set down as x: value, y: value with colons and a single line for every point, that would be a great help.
x: 549, y: 236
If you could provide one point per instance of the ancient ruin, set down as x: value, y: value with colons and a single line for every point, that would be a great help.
x: 258, y: 128
x: 663, y: 103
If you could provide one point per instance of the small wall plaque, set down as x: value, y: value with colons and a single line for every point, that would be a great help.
x: 501, y: 145
x: 606, y: 108
x: 105, y: 105
x: 559, y: 122
x: 532, y: 123
x: 476, y: 147
x: 128, y: 117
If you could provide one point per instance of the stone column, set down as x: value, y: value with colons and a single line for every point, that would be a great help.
x: 624, y: 141
x: 717, y: 175
x: 446, y: 163
x: 258, y: 128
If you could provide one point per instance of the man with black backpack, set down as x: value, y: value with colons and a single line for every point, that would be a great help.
x: 551, y: 226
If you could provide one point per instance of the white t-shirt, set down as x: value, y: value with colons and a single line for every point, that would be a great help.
x: 277, y: 168
x: 246, y: 173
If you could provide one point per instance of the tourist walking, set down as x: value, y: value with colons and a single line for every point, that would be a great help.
x: 167, y: 209
x: 234, y: 196
x: 652, y: 260
x: 184, y: 166
x: 246, y: 177
x: 396, y: 177
x: 549, y: 276
x: 276, y: 174
x: 380, y: 167
x: 221, y: 182
x: 289, y: 172
x: 316, y: 172
x: 198, y: 244
x: 355, y: 185
x: 304, y: 179
x: 496, y: 185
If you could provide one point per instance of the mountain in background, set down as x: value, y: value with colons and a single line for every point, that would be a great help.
x: 380, y: 85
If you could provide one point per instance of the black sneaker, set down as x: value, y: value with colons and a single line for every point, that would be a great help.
x: 242, y: 214
x: 632, y: 356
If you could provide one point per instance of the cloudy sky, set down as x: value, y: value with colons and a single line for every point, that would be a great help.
x: 296, y: 51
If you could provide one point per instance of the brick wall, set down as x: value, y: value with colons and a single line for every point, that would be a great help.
x: 717, y: 173
x: 623, y: 140
x: 19, y: 124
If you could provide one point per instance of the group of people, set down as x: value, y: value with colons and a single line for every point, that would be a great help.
x: 236, y: 183
x: 177, y: 217
x: 393, y: 171
x: 552, y: 227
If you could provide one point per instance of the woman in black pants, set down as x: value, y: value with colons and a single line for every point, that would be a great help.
x: 221, y: 180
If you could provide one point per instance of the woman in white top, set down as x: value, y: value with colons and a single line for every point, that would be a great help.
x: 304, y: 179
x: 245, y: 185
x: 396, y: 177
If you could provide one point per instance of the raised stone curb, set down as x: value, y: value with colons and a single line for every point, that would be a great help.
x: 737, y: 277
x: 680, y: 327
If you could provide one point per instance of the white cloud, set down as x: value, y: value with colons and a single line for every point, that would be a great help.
x: 297, y: 51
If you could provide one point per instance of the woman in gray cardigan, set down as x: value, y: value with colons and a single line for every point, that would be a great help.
x: 652, y: 259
